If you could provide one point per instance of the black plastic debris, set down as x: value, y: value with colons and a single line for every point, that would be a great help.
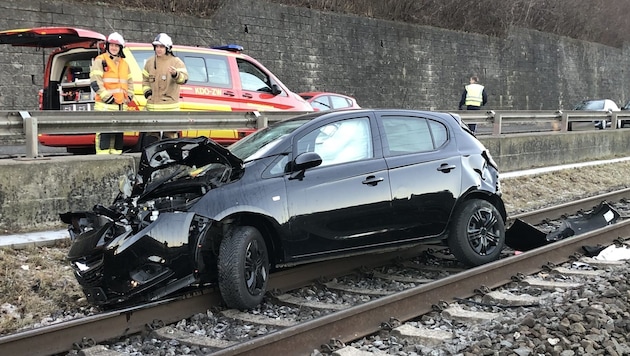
x: 522, y: 236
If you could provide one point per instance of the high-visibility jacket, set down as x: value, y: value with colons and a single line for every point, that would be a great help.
x: 163, y: 86
x: 111, y: 77
x: 474, y: 95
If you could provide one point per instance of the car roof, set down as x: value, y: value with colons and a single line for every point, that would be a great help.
x: 193, y: 49
x: 316, y: 93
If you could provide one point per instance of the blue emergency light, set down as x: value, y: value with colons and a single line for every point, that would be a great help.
x: 230, y: 47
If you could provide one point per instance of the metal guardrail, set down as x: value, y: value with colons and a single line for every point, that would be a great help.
x: 32, y: 123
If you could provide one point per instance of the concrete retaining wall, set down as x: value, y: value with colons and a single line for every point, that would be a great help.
x: 34, y: 192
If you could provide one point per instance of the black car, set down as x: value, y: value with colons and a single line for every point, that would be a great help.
x: 318, y: 186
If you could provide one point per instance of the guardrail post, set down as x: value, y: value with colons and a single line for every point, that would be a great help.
x: 613, y: 120
x: 261, y: 120
x: 30, y: 132
x: 496, y: 123
x: 565, y: 125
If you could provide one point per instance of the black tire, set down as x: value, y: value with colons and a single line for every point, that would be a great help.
x: 81, y: 150
x: 144, y: 140
x: 477, y: 233
x: 243, y: 268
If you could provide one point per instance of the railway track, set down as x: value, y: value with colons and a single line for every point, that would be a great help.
x: 324, y: 306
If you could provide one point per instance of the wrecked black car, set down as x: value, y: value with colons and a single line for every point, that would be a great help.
x: 315, y: 187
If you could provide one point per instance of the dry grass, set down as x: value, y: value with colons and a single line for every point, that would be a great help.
x: 38, y: 282
x: 541, y: 190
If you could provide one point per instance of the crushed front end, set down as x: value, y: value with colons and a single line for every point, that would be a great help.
x: 148, y: 244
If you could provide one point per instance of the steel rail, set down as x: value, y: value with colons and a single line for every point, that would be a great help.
x: 365, y: 319
x: 64, y: 336
x: 110, y: 325
x: 557, y: 211
x: 345, y: 325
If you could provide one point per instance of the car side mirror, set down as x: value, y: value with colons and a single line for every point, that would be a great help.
x: 303, y: 162
x: 275, y: 90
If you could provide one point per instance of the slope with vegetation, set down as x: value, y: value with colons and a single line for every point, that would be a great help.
x: 601, y: 21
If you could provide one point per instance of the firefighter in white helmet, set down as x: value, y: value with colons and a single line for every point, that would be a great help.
x: 112, y: 82
x: 162, y: 77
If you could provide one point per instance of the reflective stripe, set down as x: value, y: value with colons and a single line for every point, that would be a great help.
x: 114, y: 80
x: 474, y: 94
x: 163, y: 107
x: 101, y: 106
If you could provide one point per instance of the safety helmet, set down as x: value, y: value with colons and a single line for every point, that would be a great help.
x: 115, y: 38
x: 164, y: 40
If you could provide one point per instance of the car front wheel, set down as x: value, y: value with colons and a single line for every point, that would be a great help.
x: 243, y: 268
x: 477, y: 234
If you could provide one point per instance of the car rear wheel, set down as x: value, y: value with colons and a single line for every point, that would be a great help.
x: 243, y: 268
x: 477, y: 234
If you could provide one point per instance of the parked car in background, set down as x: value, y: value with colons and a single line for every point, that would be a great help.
x: 322, y: 101
x: 599, y: 105
x: 219, y: 79
x: 318, y: 186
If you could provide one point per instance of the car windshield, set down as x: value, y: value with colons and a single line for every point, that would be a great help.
x: 257, y: 144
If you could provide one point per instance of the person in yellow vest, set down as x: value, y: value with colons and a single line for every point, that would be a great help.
x: 111, y: 81
x: 162, y: 76
x: 473, y: 98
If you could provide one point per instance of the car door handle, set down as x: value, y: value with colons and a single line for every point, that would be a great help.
x: 228, y: 93
x: 446, y: 168
x: 248, y: 96
x: 372, y: 180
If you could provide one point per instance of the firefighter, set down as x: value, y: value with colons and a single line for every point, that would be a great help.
x: 112, y: 82
x: 162, y: 76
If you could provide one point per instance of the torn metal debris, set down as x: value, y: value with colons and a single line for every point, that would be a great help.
x: 522, y: 236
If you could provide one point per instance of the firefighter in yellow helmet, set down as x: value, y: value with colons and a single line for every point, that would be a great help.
x: 162, y: 77
x: 112, y: 82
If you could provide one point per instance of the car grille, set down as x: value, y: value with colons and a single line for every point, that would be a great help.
x: 93, y: 276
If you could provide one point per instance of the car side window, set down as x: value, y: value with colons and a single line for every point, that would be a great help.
x: 196, y: 68
x: 321, y: 103
x: 413, y: 134
x: 208, y: 70
x: 439, y: 133
x: 339, y: 102
x: 252, y: 78
x: 340, y: 142
x: 218, y: 72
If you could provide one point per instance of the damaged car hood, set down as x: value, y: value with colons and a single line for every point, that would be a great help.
x: 195, y: 153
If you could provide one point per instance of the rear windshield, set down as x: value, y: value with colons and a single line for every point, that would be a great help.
x: 591, y: 105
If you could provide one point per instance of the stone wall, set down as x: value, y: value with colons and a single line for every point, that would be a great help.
x: 381, y: 63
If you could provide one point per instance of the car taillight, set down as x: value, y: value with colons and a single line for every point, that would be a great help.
x: 40, y: 99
